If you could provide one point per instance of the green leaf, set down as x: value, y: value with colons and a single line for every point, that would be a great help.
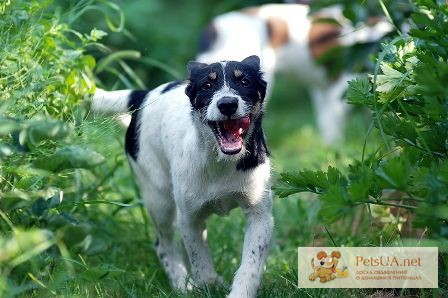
x: 389, y: 80
x: 96, y: 34
x: 334, y: 204
x: 362, y: 184
x: 358, y: 91
x: 41, y: 206
x: 334, y: 177
x: 435, y: 139
x: 7, y: 126
x: 70, y: 157
x: 398, y: 127
x: 307, y: 180
x: 74, y: 234
x: 93, y: 274
x: 89, y: 61
x: 24, y: 245
x: 47, y: 129
x: 395, y: 172
x: 284, y: 189
x: 11, y: 202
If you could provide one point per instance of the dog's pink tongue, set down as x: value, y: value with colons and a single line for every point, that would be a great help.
x: 231, y: 141
x: 236, y: 127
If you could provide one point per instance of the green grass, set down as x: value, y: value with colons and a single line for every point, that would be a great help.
x: 120, y: 260
x: 123, y: 262
x: 100, y: 242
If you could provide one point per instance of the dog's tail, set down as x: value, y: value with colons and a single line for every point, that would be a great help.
x: 114, y: 102
x: 312, y: 263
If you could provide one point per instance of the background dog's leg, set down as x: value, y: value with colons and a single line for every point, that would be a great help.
x: 259, y: 225
x: 162, y: 210
x: 331, y: 108
x: 194, y: 235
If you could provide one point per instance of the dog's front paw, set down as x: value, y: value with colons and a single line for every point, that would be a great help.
x: 220, y: 281
x: 239, y: 294
x: 179, y: 278
x: 183, y: 285
x: 243, y: 292
x: 312, y: 277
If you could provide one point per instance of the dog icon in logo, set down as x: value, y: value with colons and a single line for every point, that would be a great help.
x: 325, y: 267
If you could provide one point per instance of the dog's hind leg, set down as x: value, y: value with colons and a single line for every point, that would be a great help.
x: 330, y: 112
x: 331, y: 108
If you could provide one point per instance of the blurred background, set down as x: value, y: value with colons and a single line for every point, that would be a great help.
x: 72, y: 223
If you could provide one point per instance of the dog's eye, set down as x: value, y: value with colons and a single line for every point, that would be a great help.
x: 330, y: 260
x: 206, y: 86
x: 245, y: 82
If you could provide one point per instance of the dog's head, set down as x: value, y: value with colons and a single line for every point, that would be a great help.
x: 227, y: 98
x: 325, y: 261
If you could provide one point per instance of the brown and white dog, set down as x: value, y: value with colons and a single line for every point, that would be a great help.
x: 288, y: 39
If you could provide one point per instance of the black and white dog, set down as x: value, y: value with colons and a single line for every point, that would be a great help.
x: 197, y: 147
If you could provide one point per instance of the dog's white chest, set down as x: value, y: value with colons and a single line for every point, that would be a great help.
x: 219, y: 190
x: 214, y: 190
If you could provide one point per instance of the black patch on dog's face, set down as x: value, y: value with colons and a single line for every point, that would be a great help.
x: 136, y: 99
x: 245, y: 81
x: 206, y: 79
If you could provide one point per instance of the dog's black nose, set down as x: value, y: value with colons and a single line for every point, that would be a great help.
x: 322, y: 263
x: 228, y: 105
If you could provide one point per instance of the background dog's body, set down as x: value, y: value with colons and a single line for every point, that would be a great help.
x: 288, y: 39
x: 197, y: 147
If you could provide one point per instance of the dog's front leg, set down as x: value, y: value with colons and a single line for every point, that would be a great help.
x: 202, y: 269
x: 257, y: 238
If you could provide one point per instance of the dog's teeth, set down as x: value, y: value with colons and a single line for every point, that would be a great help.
x: 240, y: 131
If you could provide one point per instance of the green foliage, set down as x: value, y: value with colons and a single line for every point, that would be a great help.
x: 47, y: 173
x: 409, y: 100
x: 70, y: 223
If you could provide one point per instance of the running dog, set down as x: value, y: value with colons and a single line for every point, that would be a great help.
x: 197, y: 147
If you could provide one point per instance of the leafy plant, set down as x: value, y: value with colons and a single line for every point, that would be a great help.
x: 409, y: 101
x: 48, y: 176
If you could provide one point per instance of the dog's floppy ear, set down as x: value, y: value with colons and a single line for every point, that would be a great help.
x: 336, y: 254
x: 194, y: 66
x: 252, y: 61
x: 321, y: 255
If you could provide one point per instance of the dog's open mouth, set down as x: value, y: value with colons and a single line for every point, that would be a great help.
x: 230, y: 134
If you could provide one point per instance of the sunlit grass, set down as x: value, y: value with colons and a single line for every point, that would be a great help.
x: 102, y: 235
x: 295, y: 144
